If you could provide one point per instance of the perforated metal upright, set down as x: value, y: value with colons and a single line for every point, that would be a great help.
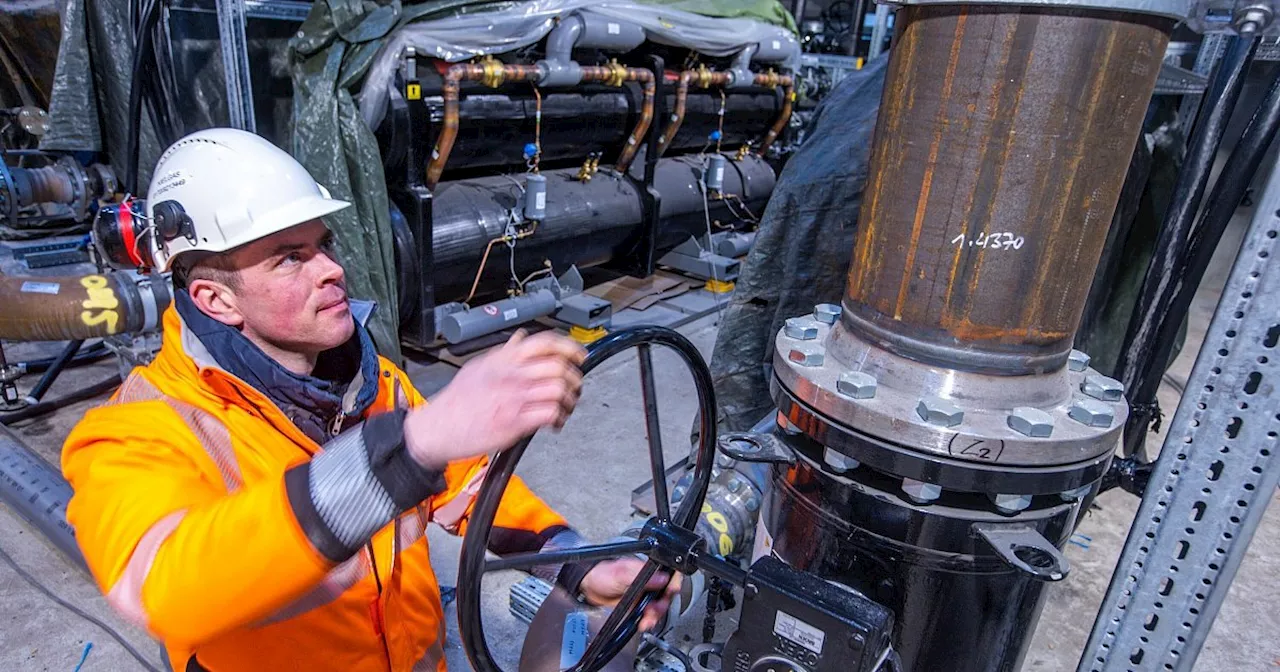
x: 1213, y: 479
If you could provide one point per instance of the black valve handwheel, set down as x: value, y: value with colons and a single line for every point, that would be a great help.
x: 669, y: 540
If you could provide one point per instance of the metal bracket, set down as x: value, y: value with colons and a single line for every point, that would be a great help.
x: 235, y: 64
x: 754, y: 447
x: 1025, y: 549
x: 1215, y: 476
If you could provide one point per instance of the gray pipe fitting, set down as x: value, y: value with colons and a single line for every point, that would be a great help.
x: 740, y: 73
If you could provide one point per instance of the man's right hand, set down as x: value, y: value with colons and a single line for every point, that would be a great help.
x: 497, y: 399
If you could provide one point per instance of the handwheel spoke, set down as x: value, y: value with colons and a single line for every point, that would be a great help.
x: 607, y: 636
x: 527, y: 561
x: 654, y: 433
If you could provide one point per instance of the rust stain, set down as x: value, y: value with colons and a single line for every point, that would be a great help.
x: 931, y: 164
x: 965, y: 329
x: 998, y: 89
x: 1035, y: 307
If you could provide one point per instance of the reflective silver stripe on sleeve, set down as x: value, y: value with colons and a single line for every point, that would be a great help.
x: 350, y: 500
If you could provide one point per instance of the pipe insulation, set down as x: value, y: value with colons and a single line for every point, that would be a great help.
x: 33, y: 489
x: 80, y: 307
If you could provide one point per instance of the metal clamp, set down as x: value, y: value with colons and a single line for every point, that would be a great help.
x: 1025, y: 549
x: 755, y: 447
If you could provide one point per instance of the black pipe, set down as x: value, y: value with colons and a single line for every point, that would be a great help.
x: 42, y: 386
x: 37, y: 492
x: 1141, y: 347
x: 46, y: 407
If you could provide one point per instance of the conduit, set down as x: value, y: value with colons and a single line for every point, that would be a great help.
x: 617, y: 75
x: 704, y: 78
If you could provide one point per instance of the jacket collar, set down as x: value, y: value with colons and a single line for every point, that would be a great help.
x: 343, y: 386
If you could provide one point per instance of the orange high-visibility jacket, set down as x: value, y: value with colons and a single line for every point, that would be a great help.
x: 180, y: 509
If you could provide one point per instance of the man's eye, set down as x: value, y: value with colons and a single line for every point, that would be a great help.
x: 291, y: 258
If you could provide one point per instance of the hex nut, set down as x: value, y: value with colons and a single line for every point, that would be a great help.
x: 724, y: 461
x: 1102, y: 388
x: 1078, y: 361
x: 937, y: 411
x: 734, y: 485
x: 1011, y: 503
x: 827, y: 312
x: 857, y: 385
x: 920, y: 492
x: 839, y: 461
x: 1031, y: 422
x: 806, y: 356
x: 801, y: 328
x: 1092, y: 413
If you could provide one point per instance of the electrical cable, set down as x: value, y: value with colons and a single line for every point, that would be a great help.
x: 35, y: 583
x: 46, y: 407
x: 94, y: 353
x: 141, y: 45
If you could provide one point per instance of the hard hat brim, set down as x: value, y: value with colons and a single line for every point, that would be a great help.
x: 294, y: 214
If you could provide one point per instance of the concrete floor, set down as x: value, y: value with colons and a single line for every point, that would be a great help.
x: 587, y: 472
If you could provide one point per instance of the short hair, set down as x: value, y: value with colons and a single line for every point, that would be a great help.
x: 214, y: 266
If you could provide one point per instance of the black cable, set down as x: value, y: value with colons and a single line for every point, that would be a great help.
x: 141, y: 46
x: 46, y: 407
x: 46, y: 381
x: 1138, y: 354
x: 94, y: 353
x: 35, y: 583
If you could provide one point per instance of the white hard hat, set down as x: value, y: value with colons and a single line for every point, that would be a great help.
x: 235, y: 188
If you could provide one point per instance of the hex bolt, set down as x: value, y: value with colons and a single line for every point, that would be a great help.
x: 1077, y: 361
x: 734, y: 485
x: 753, y: 504
x: 724, y: 460
x: 801, y: 328
x: 937, y: 411
x: 920, y: 492
x: 678, y: 493
x: 806, y: 356
x: 1092, y: 413
x: 1075, y: 495
x: 1031, y: 422
x: 827, y: 312
x: 839, y: 461
x: 1102, y: 388
x: 857, y: 385
x: 1011, y: 504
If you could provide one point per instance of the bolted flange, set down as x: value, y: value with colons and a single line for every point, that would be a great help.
x: 857, y: 385
x: 827, y: 312
x: 1092, y: 413
x: 938, y: 411
x: 1011, y: 504
x: 1077, y: 494
x: 920, y: 492
x: 809, y: 356
x: 1078, y: 361
x: 1031, y: 422
x: 801, y: 328
x: 1102, y: 388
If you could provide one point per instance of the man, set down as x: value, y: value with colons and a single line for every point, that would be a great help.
x: 256, y: 498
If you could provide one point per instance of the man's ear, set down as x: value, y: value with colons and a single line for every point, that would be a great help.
x: 217, y: 301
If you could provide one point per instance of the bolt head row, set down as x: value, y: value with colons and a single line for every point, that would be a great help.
x: 839, y: 461
x: 857, y: 385
x: 1011, y: 504
x: 1092, y: 413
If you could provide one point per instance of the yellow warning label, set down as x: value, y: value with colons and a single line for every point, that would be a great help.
x: 413, y: 92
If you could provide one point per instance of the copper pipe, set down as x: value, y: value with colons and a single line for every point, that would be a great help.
x: 616, y: 75
x: 788, y: 95
x: 705, y: 78
x: 491, y: 74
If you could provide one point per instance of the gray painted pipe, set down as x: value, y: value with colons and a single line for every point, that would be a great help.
x: 589, y: 32
x: 493, y: 317
x: 33, y: 489
x: 742, y: 77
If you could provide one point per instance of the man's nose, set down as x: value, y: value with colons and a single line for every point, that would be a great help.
x: 327, y: 269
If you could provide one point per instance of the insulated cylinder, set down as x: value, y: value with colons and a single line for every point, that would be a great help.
x: 489, y: 318
x: 1000, y: 150
x: 535, y: 197
x: 714, y: 176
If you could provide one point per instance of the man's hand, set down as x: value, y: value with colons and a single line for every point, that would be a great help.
x: 497, y: 399
x: 605, y: 584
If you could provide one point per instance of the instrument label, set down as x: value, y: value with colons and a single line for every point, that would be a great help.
x: 795, y: 630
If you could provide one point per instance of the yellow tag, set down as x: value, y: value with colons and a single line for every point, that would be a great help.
x: 413, y: 92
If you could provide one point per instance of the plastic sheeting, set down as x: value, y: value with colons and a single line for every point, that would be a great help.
x: 467, y: 36
x: 27, y: 28
x: 802, y: 252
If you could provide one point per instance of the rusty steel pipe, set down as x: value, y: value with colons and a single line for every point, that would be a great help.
x: 492, y: 74
x: 999, y: 154
x: 616, y: 75
x: 705, y: 79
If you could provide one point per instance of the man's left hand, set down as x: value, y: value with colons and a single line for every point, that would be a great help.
x: 605, y: 584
